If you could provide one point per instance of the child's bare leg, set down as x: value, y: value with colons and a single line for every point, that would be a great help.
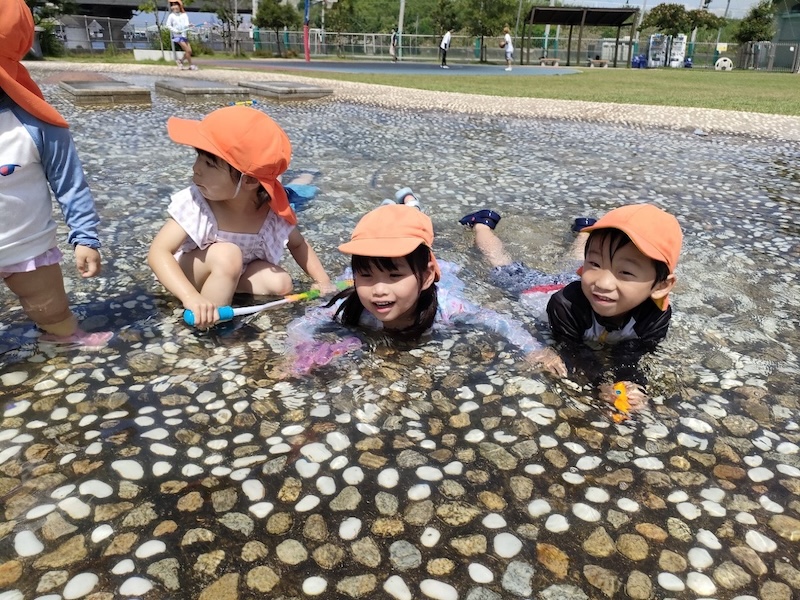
x: 303, y: 179
x: 490, y: 246
x: 215, y: 271
x: 577, y: 250
x: 264, y: 279
x: 44, y: 299
x: 187, y: 52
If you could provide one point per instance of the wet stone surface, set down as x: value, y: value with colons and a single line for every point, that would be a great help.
x: 174, y: 464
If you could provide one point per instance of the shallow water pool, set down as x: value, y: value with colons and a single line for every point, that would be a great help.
x: 175, y: 465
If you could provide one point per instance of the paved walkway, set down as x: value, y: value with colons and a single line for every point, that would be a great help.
x: 778, y: 127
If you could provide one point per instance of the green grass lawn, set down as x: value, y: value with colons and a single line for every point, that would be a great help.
x: 749, y: 91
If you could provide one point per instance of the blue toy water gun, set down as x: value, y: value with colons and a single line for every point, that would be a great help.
x: 244, y: 103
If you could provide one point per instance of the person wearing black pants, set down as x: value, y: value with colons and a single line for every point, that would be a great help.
x: 444, y: 47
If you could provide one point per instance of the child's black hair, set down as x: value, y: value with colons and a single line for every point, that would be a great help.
x: 427, y: 304
x: 262, y: 196
x: 616, y: 240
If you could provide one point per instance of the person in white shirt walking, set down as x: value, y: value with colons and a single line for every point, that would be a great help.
x: 444, y: 46
x: 508, y: 45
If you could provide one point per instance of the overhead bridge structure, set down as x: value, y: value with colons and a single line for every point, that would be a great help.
x: 124, y: 9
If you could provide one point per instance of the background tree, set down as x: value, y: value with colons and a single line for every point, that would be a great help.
x: 151, y: 6
x: 758, y: 25
x: 445, y: 17
x: 483, y: 18
x: 670, y: 19
x: 226, y: 13
x: 274, y: 15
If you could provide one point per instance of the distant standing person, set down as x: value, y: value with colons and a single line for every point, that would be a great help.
x: 178, y: 24
x: 393, y: 46
x: 508, y: 45
x: 444, y: 46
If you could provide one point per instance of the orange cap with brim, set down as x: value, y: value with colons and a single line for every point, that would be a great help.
x: 392, y: 231
x: 16, y: 38
x: 179, y: 3
x: 249, y: 141
x: 656, y: 233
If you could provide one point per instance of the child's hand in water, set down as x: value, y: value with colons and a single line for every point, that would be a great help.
x: 87, y: 260
x: 326, y: 288
x: 549, y: 360
x: 634, y: 397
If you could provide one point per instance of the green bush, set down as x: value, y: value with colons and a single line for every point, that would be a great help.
x: 50, y: 44
x: 263, y: 53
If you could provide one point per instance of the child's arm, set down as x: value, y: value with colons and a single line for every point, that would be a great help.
x: 305, y: 256
x: 162, y: 261
x: 67, y: 179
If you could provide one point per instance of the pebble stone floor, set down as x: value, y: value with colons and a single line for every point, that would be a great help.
x: 173, y: 464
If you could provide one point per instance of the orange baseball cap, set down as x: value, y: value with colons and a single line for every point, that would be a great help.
x: 16, y: 38
x: 179, y: 3
x: 249, y: 141
x: 392, y: 231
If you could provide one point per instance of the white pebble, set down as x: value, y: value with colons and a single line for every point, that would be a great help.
x: 123, y: 567
x: 628, y: 505
x: 438, y: 590
x: 316, y: 452
x: 40, y: 511
x: 760, y: 474
x: 306, y: 469
x: 670, y: 582
x: 326, y: 485
x: 745, y: 518
x: 587, y: 463
x: 95, y: 488
x: 80, y: 585
x: 75, y: 508
x: 700, y: 558
x: 389, y: 478
x: 253, y: 489
x: 688, y: 510
x: 150, y: 548
x: 397, y: 588
x: 350, y: 528
x: 479, y: 573
x: 474, y: 436
x: 556, y: 523
x: 700, y: 584
x: 261, y: 509
x: 419, y: 491
x: 429, y: 473
x: 788, y: 470
x: 493, y: 521
x: 454, y: 468
x: 307, y: 503
x: 430, y: 537
x: 769, y: 505
x: 314, y: 586
x: 759, y: 542
x: 507, y: 545
x: 585, y: 512
x: 678, y: 496
x: 135, y: 586
x: 649, y: 463
x: 597, y: 495
x: 102, y: 532
x: 337, y: 440
x: 708, y: 539
x: 573, y: 478
x: 538, y: 508
x: 27, y: 544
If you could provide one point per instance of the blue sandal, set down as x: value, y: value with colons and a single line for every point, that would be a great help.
x: 486, y: 217
x: 582, y: 222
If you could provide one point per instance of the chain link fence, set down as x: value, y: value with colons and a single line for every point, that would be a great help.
x: 80, y: 34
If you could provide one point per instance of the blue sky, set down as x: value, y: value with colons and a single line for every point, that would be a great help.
x: 738, y: 8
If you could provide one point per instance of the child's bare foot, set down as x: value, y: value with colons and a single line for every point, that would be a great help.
x: 79, y: 339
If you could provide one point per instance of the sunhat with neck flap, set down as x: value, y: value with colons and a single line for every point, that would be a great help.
x: 16, y: 38
x: 248, y: 140
x: 392, y: 231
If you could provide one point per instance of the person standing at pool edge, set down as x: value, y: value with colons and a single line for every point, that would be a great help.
x: 508, y: 45
x: 37, y: 150
x: 444, y: 47
x: 178, y: 24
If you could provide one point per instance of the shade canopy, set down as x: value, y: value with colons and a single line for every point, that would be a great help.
x: 575, y: 15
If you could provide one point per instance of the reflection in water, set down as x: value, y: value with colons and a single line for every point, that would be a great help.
x: 181, y: 464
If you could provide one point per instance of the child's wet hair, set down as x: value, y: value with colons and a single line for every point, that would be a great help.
x: 262, y: 196
x: 618, y: 239
x: 427, y: 304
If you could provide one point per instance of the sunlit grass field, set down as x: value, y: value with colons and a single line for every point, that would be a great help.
x: 750, y: 91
